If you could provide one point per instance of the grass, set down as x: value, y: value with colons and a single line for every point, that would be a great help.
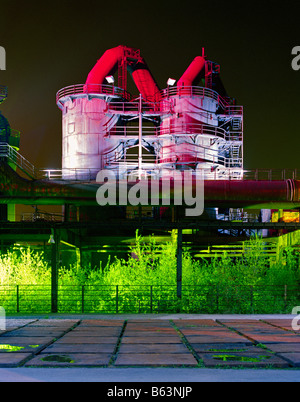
x: 244, y: 284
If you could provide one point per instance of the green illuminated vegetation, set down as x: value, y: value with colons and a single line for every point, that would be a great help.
x: 11, y: 348
x: 225, y: 358
x: 57, y: 358
x: 146, y: 281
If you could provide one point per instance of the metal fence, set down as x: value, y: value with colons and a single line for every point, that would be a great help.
x: 150, y: 299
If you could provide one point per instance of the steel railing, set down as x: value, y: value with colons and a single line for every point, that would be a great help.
x: 134, y: 107
x: 202, y: 92
x: 184, y: 131
x: 106, y: 299
x: 9, y: 152
x: 90, y: 89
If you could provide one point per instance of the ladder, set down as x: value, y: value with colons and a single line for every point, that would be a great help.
x: 208, y: 74
x: 236, y: 124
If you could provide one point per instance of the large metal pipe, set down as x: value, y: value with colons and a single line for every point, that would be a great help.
x: 191, y: 72
x: 108, y: 63
x: 283, y: 194
x: 146, y: 84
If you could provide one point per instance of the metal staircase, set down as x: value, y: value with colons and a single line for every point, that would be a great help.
x: 10, y: 154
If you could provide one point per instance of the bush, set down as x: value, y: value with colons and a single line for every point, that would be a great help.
x: 146, y: 281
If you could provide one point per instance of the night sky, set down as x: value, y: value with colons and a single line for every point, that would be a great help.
x: 53, y: 44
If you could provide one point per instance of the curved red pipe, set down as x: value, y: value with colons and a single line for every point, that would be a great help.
x: 141, y: 75
x: 191, y: 72
x: 146, y: 85
x: 105, y: 65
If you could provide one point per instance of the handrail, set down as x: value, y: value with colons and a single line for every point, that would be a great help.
x: 89, y: 89
x: 185, y: 130
x: 233, y: 173
x: 191, y: 91
x: 163, y: 107
x: 7, y: 151
x: 201, y: 129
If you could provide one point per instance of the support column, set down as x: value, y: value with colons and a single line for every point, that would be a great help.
x: 54, y: 240
x: 179, y: 263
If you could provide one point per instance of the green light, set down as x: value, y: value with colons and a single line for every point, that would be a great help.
x: 11, y: 348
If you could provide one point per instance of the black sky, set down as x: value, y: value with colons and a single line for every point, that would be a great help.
x: 50, y: 45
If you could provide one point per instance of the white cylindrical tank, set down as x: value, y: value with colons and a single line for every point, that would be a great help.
x: 179, y: 131
x: 86, y: 142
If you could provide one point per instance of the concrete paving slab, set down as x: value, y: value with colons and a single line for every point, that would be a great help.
x: 18, y: 322
x: 293, y: 358
x: 242, y: 320
x: 102, y: 323
x: 97, y: 328
x: 151, y: 339
x: 162, y: 330
x: 217, y: 332
x: 141, y: 319
x: 153, y: 348
x: 153, y: 323
x: 42, y: 329
x: 13, y: 359
x: 149, y: 333
x: 83, y: 348
x: 224, y: 347
x: 244, y: 359
x: 19, y: 347
x: 66, y: 323
x: 196, y: 329
x: 33, y: 332
x: 197, y: 323
x: 155, y: 359
x: 274, y: 338
x: 263, y: 331
x: 70, y: 360
x: 87, y: 339
x: 285, y: 324
x: 245, y: 323
x: 26, y: 340
x: 99, y: 331
x: 155, y: 339
x: 234, y: 338
x: 284, y: 347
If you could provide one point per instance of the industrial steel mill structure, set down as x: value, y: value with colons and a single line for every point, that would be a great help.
x: 192, y: 125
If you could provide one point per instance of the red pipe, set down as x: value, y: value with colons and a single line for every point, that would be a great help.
x: 141, y: 75
x: 191, y: 72
x: 146, y: 85
x: 107, y: 64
